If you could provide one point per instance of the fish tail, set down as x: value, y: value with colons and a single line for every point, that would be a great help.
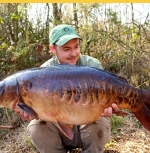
x: 143, y: 115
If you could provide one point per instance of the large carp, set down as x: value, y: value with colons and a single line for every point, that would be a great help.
x: 72, y: 95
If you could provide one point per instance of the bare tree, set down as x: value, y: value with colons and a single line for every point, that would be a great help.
x: 132, y: 18
x: 75, y: 15
x: 57, y: 13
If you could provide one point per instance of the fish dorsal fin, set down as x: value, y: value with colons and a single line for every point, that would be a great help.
x: 66, y: 129
x: 27, y: 110
x: 122, y: 79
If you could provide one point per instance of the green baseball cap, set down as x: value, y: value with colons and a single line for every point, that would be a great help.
x: 61, y: 34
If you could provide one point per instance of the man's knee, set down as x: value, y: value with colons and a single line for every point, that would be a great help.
x: 45, y: 137
x: 36, y: 129
x: 95, y: 136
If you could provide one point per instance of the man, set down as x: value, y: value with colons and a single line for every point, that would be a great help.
x: 47, y: 138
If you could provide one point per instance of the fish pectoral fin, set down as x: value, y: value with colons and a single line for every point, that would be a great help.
x: 120, y: 113
x: 66, y: 129
x: 27, y: 110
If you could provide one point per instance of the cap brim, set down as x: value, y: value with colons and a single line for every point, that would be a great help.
x: 66, y: 38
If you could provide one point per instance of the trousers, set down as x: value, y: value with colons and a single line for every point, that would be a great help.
x: 47, y: 138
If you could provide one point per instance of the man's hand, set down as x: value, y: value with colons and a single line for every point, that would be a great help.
x: 109, y: 111
x: 24, y: 116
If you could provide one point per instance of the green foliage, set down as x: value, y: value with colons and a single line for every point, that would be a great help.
x: 29, y: 142
x: 1, y: 20
x: 22, y: 56
x: 110, y: 144
x: 113, y: 16
x: 15, y: 16
x: 116, y: 121
x: 2, y: 133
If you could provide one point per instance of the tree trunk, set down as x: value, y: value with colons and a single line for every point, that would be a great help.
x: 132, y: 14
x: 75, y: 16
x: 56, y: 13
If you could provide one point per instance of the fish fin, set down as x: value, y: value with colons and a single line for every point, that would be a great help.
x: 120, y: 113
x: 27, y: 110
x: 143, y: 115
x: 66, y: 129
x: 122, y: 79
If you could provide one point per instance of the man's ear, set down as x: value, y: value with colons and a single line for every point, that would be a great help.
x: 52, y: 49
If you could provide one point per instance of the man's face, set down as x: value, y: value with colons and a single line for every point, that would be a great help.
x: 68, y: 53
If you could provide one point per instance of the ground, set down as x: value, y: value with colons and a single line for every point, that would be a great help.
x: 130, y: 137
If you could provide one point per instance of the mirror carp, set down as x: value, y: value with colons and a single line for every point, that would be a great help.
x: 72, y: 95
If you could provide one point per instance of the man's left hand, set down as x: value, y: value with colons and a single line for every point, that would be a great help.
x: 109, y: 111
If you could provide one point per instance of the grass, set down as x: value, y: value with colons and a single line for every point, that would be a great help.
x: 116, y: 122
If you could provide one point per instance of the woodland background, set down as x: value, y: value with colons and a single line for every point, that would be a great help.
x: 111, y: 33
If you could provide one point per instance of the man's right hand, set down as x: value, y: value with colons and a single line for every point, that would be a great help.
x: 24, y: 116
